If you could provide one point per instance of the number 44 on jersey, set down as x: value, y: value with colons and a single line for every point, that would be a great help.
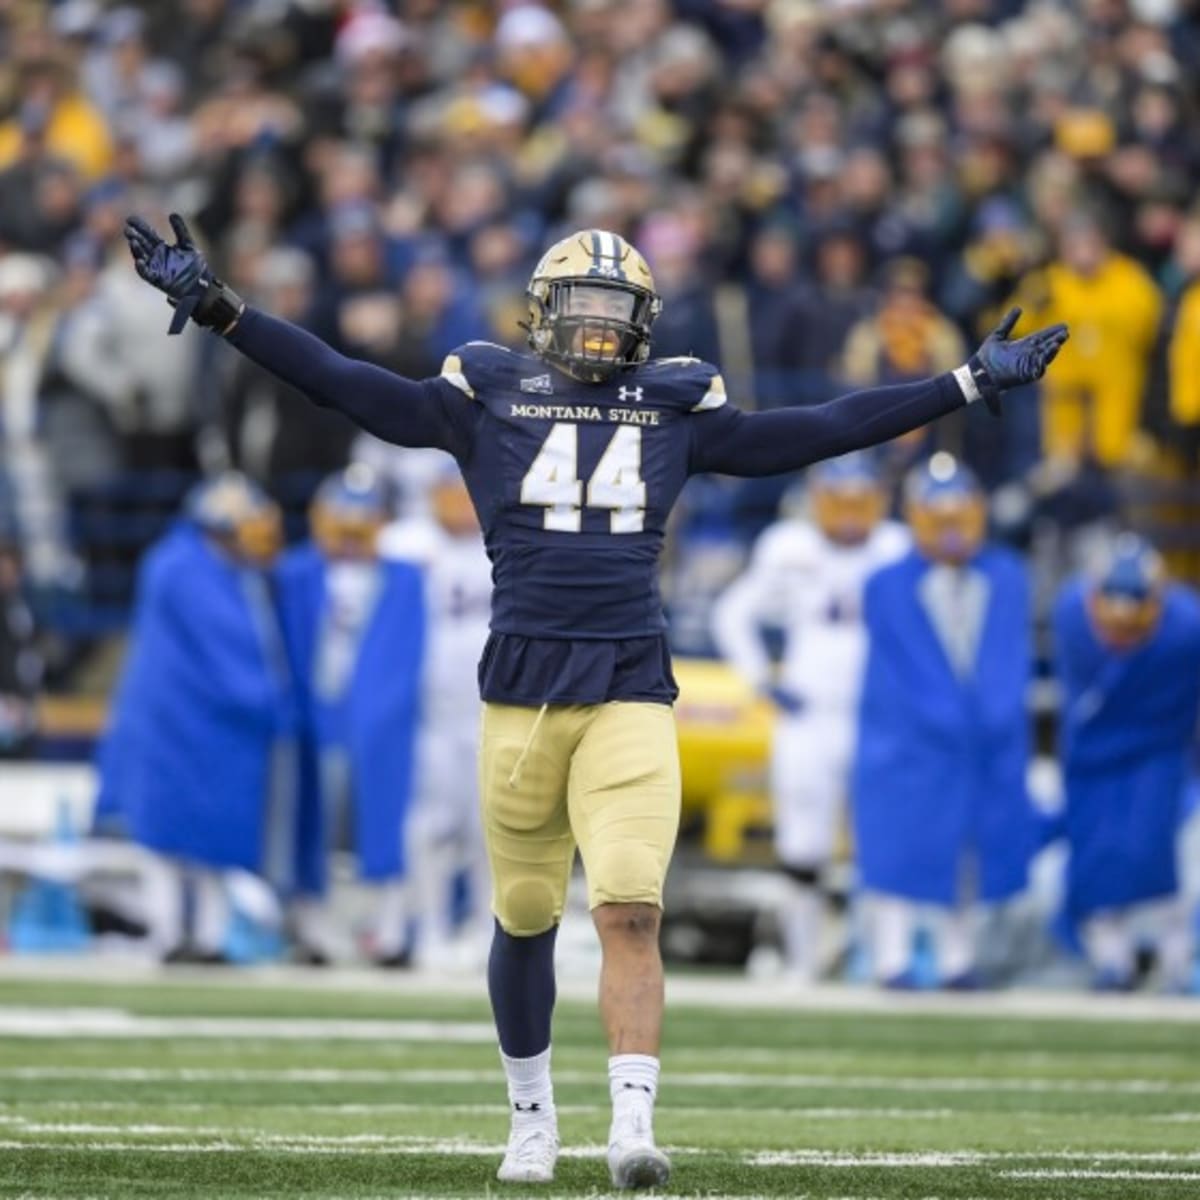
x: 552, y: 481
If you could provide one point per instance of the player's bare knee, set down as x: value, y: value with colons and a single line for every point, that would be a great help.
x: 527, y: 908
x: 636, y: 922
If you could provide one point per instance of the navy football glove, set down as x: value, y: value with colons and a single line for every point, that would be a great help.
x: 182, y: 272
x: 1000, y: 364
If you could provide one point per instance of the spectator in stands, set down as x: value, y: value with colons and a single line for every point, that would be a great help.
x: 55, y: 111
x: 908, y: 338
x: 1128, y: 647
x: 27, y: 323
x: 200, y: 751
x: 286, y: 446
x: 833, y: 302
x: 806, y: 578
x: 772, y: 296
x: 942, y: 818
x: 21, y: 661
x: 1092, y: 407
x: 355, y: 629
x: 1181, y: 338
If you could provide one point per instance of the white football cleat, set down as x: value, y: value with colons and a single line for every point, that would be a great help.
x: 531, y: 1154
x: 634, y: 1161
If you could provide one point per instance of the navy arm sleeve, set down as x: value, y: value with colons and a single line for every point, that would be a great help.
x: 406, y: 412
x: 733, y: 442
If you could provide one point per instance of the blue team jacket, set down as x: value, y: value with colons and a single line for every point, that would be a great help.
x: 374, y: 722
x: 1128, y: 720
x: 203, y: 701
x: 939, y: 773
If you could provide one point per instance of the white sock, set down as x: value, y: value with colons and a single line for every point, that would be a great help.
x: 633, y: 1084
x: 1108, y: 941
x: 211, y: 917
x: 162, y: 901
x: 529, y: 1089
x: 891, y: 922
x: 800, y: 918
x: 391, y: 918
x: 956, y: 941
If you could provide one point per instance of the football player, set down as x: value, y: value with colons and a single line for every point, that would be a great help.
x: 204, y: 720
x: 355, y: 630
x: 574, y: 456
x: 1128, y: 645
x: 806, y: 578
x: 444, y: 833
x: 941, y: 813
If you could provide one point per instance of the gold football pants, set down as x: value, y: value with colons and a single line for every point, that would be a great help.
x: 604, y: 777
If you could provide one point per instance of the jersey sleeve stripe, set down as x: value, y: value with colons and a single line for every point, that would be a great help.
x: 714, y: 397
x: 452, y: 373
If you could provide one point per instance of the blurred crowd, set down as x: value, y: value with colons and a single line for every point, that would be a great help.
x: 830, y: 192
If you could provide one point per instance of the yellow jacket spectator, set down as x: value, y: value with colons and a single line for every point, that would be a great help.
x: 907, y: 338
x: 1092, y: 402
x: 58, y: 120
x: 1183, y: 359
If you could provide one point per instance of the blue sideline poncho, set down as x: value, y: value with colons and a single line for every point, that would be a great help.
x: 204, y: 701
x: 939, y: 778
x: 375, y: 720
x: 1127, y: 724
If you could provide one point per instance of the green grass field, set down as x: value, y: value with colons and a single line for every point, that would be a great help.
x: 352, y: 1087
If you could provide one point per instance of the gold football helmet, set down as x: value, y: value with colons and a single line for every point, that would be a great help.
x: 591, y: 305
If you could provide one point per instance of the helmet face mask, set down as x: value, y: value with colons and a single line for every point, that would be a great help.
x: 591, y: 305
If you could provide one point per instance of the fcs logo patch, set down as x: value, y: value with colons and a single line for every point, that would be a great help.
x: 626, y: 394
x: 540, y: 385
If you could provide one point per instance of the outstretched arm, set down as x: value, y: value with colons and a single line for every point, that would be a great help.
x: 406, y: 412
x: 737, y: 443
x: 733, y: 442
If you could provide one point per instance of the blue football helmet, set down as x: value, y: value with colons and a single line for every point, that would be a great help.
x: 1125, y: 601
x: 946, y: 509
x: 347, y: 513
x: 848, y: 497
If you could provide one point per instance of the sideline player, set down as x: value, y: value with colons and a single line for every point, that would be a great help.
x: 806, y: 576
x: 574, y: 456
x: 444, y: 834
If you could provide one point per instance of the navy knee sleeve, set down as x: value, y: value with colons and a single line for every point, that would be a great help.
x: 521, y: 987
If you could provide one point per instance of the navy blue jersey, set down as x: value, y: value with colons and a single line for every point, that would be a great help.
x: 573, y: 483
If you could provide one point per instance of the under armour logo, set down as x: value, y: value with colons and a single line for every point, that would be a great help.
x: 634, y: 394
x: 538, y: 383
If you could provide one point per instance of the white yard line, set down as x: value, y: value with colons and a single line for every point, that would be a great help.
x: 675, y: 1079
x: 959, y: 1158
x: 709, y: 991
x: 116, y: 1023
x: 498, y: 1108
x: 1053, y: 1174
